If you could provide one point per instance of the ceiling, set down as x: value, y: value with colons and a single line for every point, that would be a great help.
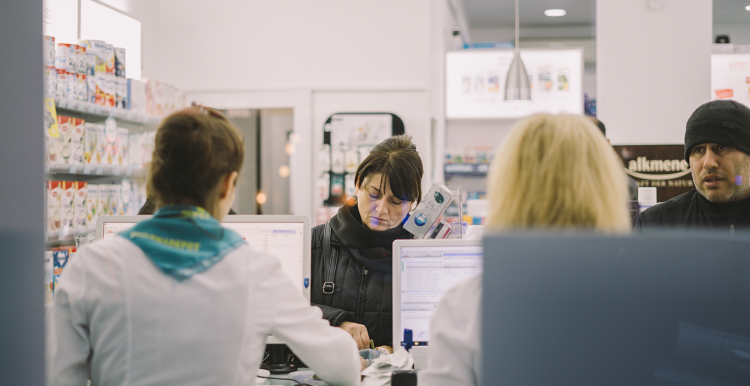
x: 500, y: 13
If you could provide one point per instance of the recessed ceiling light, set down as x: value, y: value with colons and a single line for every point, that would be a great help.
x: 747, y: 8
x: 555, y: 12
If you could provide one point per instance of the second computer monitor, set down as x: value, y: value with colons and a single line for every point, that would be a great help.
x: 423, y: 270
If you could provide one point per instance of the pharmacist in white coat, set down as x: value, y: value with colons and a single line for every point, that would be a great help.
x: 179, y: 300
x: 578, y: 183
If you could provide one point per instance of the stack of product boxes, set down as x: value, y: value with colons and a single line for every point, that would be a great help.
x: 94, y: 71
x: 85, y: 143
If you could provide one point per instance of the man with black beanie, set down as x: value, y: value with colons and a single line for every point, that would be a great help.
x: 717, y: 147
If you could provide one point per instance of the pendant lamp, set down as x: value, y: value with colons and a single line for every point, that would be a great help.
x: 517, y: 82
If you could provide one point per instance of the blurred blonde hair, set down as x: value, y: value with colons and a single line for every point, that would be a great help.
x: 557, y: 172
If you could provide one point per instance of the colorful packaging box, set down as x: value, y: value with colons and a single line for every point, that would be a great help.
x: 89, y: 142
x: 78, y: 142
x: 109, y: 58
x: 102, y: 208
x: 72, y: 89
x: 63, y: 54
x: 54, y: 215
x: 120, y: 62
x: 81, y: 204
x: 121, y: 93
x: 61, y: 86
x: 67, y: 206
x: 91, y: 88
x: 109, y: 89
x: 64, y: 146
x: 101, y: 145
x: 100, y: 86
x: 428, y: 212
x: 92, y: 203
x: 123, y: 142
x: 126, y: 195
x: 115, y: 201
x: 49, y: 278
x: 79, y: 52
x: 59, y: 261
x: 97, y: 48
x: 110, y: 132
x: 49, y: 51
x: 81, y: 87
x: 134, y: 148
x: 50, y: 81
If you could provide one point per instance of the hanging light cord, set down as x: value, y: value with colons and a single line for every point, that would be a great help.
x: 517, y: 21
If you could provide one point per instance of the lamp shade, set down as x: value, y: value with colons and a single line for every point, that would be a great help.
x: 517, y: 83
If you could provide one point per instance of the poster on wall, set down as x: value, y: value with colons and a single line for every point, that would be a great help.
x: 730, y: 77
x: 660, y: 166
x: 475, y: 83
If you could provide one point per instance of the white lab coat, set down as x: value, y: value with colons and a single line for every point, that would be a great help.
x: 455, y: 351
x: 118, y: 320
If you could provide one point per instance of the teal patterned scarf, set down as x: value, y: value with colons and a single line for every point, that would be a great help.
x: 183, y: 240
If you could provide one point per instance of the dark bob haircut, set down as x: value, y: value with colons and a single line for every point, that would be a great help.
x: 397, y: 159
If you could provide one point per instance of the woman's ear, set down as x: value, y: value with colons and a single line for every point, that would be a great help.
x: 229, y: 183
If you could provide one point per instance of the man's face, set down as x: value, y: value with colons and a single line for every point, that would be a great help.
x: 720, y: 173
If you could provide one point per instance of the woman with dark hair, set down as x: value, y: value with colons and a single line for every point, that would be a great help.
x: 177, y: 299
x: 351, y: 253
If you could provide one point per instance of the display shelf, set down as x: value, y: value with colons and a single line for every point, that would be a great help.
x: 466, y: 170
x: 86, y: 108
x: 57, y: 170
x: 64, y: 238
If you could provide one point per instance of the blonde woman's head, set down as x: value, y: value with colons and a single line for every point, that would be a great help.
x: 557, y: 172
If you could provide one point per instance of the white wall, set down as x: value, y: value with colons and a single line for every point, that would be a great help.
x: 651, y: 78
x: 739, y: 33
x: 343, y: 56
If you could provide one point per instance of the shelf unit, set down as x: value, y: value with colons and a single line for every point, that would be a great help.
x: 466, y: 170
x: 86, y: 108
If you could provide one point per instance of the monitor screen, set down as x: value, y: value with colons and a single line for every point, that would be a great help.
x: 285, y: 240
x: 427, y: 272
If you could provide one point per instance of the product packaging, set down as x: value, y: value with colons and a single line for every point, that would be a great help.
x: 81, y: 62
x: 67, y: 206
x: 81, y: 87
x: 49, y: 51
x: 121, y: 92
x: 123, y: 144
x: 76, y: 59
x: 126, y: 194
x: 72, y: 89
x: 324, y: 186
x: 109, y: 59
x: 134, y: 148
x: 59, y: 261
x: 81, y: 204
x: 91, y: 88
x: 89, y: 142
x: 428, y: 212
x: 120, y: 62
x: 337, y: 160
x: 102, y: 209
x: 364, y: 151
x: 92, y: 202
x: 54, y: 215
x: 61, y: 84
x: 442, y: 231
x: 50, y: 81
x: 78, y: 142
x: 49, y: 278
x: 63, y: 54
x: 65, y: 126
x: 115, y: 202
x: 350, y: 189
x: 101, y: 145
x: 110, y: 136
x: 100, y: 86
x: 97, y: 48
x: 324, y: 158
x: 351, y: 160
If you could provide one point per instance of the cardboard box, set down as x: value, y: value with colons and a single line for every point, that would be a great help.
x: 50, y: 81
x: 92, y: 203
x: 67, y: 206
x: 89, y: 142
x: 428, y: 212
x: 54, y: 214
x: 64, y: 145
x: 110, y: 133
x: 115, y: 202
x: 81, y: 87
x: 101, y: 145
x: 102, y: 209
x: 61, y: 86
x: 78, y: 142
x: 63, y: 54
x: 123, y: 142
x: 120, y: 62
x: 81, y: 205
x: 49, y: 51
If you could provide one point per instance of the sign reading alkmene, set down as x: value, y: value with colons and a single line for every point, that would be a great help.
x: 659, y: 166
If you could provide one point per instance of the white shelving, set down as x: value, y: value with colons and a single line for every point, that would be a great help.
x: 96, y: 170
x: 105, y: 111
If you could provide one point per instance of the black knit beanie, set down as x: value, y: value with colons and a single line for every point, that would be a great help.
x: 724, y: 122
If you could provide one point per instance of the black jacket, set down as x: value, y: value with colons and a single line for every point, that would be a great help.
x: 361, y: 295
x: 693, y: 211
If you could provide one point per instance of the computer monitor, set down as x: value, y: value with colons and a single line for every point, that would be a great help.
x: 422, y: 271
x: 286, y: 237
x: 656, y: 309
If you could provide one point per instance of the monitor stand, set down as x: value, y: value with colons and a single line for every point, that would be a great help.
x: 277, y: 360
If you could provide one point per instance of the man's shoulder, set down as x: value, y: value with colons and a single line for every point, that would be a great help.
x: 673, y: 204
